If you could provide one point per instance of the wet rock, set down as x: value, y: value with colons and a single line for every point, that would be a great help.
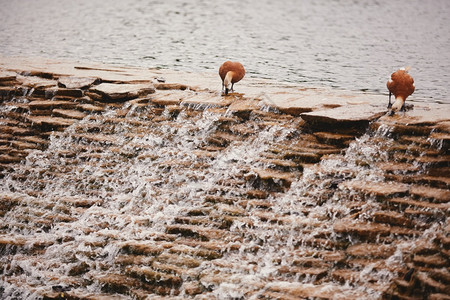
x: 301, y: 290
x: 195, y: 251
x: 7, y: 76
x: 371, y: 250
x: 71, y: 114
x: 437, y: 195
x: 79, y: 269
x: 393, y: 218
x: 324, y: 227
x: 171, y: 97
x: 428, y: 114
x: 431, y: 284
x: 355, y: 115
x: 433, y: 260
x: 141, y: 248
x: 192, y: 288
x: 151, y: 276
x: 115, y: 283
x: 273, y: 178
x: 170, y: 86
x: 202, y: 100
x: 51, y: 104
x: 7, y: 92
x: 121, y: 92
x: 38, y: 83
x: 65, y: 92
x: 90, y: 108
x: 333, y: 138
x: 302, y: 272
x: 395, y: 167
x: 73, y: 82
x: 222, y: 139
x: 379, y: 189
x: 361, y: 229
x: 50, y: 122
x: 419, y: 204
x: 17, y: 131
x: 198, y: 232
x: 10, y: 245
x: 243, y: 108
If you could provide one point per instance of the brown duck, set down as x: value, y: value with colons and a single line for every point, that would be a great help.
x: 401, y: 85
x: 231, y: 72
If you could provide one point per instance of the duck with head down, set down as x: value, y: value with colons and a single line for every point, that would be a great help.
x: 230, y: 73
x: 401, y: 85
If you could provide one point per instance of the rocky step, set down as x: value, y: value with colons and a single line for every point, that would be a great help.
x: 399, y: 129
x: 368, y: 230
x: 10, y: 245
x: 151, y: 276
x: 126, y: 284
x: 298, y: 290
x: 377, y: 189
x: 439, y: 182
x: 313, y: 274
x: 426, y: 162
x: 222, y: 139
x: 420, y: 205
x: 195, y: 231
x: 199, y: 221
x: 271, y: 180
x: 284, y: 165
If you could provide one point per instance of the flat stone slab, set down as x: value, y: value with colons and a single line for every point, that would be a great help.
x: 72, y: 114
x: 90, y: 107
x: 50, y: 121
x: 422, y: 114
x: 207, y: 99
x: 122, y: 92
x: 37, y: 82
x: 438, y: 195
x: 243, y: 106
x: 74, y: 82
x: 370, y: 250
x: 362, y: 229
x: 7, y: 76
x: 170, y: 97
x: 50, y: 104
x: 376, y: 188
x: 349, y: 114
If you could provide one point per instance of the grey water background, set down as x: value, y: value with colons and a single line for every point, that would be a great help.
x: 347, y: 44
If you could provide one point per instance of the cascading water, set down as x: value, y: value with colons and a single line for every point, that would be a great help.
x: 113, y: 179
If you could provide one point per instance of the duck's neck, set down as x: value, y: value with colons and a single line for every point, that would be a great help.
x: 228, y: 77
x: 399, y: 101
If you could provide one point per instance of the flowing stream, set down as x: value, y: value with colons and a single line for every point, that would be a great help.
x: 113, y: 179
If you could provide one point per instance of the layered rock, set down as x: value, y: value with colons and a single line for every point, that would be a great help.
x: 112, y: 187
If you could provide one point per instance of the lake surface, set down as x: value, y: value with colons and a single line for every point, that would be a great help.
x: 345, y: 44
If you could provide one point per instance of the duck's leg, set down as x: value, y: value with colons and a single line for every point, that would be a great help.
x: 232, y: 90
x: 390, y: 104
x: 403, y: 107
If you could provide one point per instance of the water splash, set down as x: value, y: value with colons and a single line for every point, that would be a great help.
x: 114, y: 179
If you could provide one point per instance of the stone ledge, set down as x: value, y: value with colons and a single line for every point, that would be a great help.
x: 121, y: 92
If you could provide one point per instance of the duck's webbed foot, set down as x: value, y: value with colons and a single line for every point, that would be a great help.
x: 403, y: 108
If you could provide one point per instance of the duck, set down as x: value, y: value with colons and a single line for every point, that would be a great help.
x: 401, y: 85
x: 231, y: 72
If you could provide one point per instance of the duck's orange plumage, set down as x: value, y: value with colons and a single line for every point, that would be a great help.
x: 401, y: 85
x: 231, y: 72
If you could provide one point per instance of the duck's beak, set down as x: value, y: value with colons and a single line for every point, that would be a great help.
x: 226, y: 91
